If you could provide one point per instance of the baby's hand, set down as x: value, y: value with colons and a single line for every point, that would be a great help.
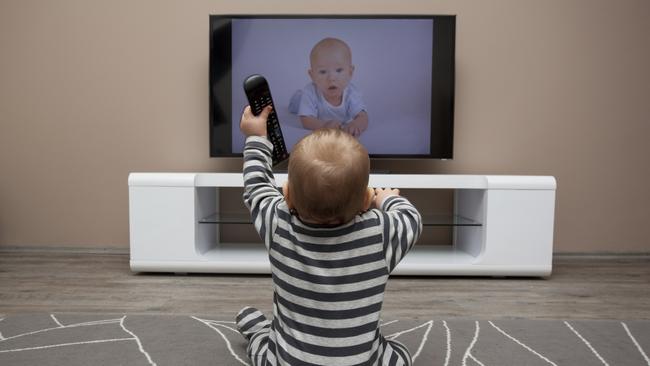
x: 382, y: 193
x: 251, y: 125
x: 357, y: 125
x: 352, y: 129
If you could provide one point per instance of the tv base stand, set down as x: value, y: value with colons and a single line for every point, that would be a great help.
x: 501, y: 225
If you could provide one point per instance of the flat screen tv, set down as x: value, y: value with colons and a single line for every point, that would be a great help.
x: 402, y: 76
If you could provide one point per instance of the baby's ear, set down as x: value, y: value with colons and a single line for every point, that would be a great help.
x: 285, y: 192
x: 370, y: 197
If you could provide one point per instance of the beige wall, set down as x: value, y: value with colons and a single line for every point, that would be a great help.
x: 93, y: 90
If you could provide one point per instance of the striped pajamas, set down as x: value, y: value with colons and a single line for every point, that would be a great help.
x: 328, y: 281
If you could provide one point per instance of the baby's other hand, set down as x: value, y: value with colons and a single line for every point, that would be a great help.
x: 251, y: 125
x: 382, y: 193
x: 332, y: 124
x: 357, y: 125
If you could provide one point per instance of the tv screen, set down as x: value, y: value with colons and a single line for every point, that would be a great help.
x: 396, y: 72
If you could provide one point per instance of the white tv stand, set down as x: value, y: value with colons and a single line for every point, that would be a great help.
x: 503, y: 225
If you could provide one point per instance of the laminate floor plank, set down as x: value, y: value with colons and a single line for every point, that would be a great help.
x: 590, y: 287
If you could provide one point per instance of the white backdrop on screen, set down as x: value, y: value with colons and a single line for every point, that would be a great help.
x: 392, y: 59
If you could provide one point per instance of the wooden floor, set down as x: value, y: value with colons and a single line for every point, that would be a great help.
x: 580, y: 288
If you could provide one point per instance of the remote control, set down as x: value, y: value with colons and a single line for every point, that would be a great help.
x: 259, y: 96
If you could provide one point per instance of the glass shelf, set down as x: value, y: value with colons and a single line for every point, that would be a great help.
x: 427, y: 219
x: 447, y: 220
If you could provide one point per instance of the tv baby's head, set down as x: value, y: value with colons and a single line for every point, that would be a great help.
x: 331, y: 68
x: 328, y: 178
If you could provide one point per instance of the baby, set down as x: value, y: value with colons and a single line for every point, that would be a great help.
x: 330, y: 100
x: 330, y: 252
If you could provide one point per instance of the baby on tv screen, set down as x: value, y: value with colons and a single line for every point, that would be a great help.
x: 388, y: 81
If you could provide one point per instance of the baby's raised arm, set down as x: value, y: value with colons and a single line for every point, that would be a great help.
x: 403, y: 224
x: 260, y: 191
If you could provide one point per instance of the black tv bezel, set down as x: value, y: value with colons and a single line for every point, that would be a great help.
x: 442, y: 85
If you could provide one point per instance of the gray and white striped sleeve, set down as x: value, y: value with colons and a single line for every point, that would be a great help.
x: 402, y: 228
x: 261, y: 195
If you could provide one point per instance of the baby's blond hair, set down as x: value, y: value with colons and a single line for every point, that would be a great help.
x: 328, y: 176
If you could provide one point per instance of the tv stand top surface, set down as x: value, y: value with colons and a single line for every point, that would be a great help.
x: 430, y: 181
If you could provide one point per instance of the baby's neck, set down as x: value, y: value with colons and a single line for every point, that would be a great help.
x: 320, y: 222
x: 334, y: 101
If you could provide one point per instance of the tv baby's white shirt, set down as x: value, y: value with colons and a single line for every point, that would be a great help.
x: 313, y: 104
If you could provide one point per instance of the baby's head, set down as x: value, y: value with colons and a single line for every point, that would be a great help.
x: 331, y: 66
x: 328, y: 177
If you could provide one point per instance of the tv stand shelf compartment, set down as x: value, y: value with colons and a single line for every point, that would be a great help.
x: 501, y: 226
